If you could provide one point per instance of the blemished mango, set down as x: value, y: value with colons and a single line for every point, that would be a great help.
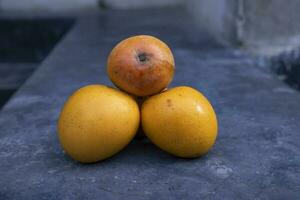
x: 180, y: 121
x: 141, y: 65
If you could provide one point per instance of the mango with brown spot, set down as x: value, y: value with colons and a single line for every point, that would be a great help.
x: 141, y: 65
x: 180, y: 121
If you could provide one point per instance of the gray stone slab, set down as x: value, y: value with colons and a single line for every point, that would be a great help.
x: 13, y: 75
x: 256, y: 156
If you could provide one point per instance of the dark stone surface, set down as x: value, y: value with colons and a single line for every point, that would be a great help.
x: 24, y: 44
x: 5, y: 95
x: 256, y: 156
x: 30, y: 40
x: 287, y: 67
x: 13, y: 75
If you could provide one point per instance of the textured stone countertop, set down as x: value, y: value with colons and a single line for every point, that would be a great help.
x: 256, y: 156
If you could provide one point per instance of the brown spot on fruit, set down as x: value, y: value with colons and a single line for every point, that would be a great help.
x: 143, y: 57
x: 169, y: 102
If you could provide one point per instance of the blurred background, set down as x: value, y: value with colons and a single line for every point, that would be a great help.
x: 30, y: 29
x: 243, y: 55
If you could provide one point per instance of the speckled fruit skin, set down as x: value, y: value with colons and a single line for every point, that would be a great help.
x: 141, y: 65
x: 96, y: 122
x: 180, y: 121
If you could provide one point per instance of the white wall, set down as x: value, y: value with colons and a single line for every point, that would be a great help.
x: 67, y: 6
x: 215, y: 16
x: 263, y: 26
x: 51, y: 6
x: 132, y: 4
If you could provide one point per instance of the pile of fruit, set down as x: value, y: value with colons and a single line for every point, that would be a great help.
x: 98, y: 121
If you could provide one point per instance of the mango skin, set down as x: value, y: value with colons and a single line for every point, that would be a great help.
x: 180, y: 121
x: 141, y: 65
x: 96, y: 122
